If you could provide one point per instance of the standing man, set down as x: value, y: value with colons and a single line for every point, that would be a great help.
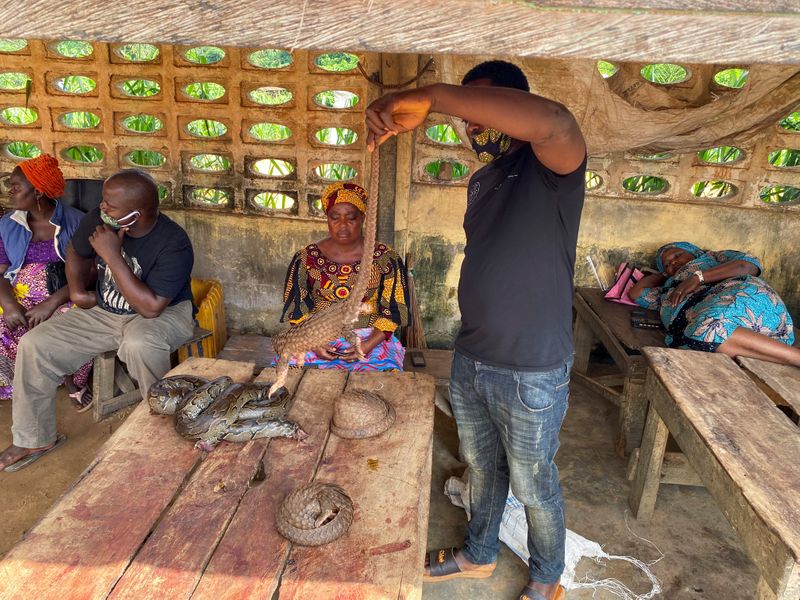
x: 509, y: 384
x: 142, y: 309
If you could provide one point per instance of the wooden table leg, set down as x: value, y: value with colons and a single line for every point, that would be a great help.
x: 642, y: 498
x: 583, y: 339
x: 763, y: 591
x: 632, y: 415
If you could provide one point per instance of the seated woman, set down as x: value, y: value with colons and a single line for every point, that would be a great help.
x: 715, y: 302
x: 33, y: 246
x: 325, y: 272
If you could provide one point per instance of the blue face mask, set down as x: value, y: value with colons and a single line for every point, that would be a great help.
x: 490, y: 144
x: 120, y: 223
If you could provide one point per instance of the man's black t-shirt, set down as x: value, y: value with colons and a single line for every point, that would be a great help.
x: 162, y: 260
x: 515, y: 291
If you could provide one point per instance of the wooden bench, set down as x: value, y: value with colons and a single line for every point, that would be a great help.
x: 608, y: 323
x: 437, y: 365
x: 153, y: 518
x: 742, y: 448
x: 112, y: 387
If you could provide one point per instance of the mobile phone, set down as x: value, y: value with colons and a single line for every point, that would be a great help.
x: 417, y: 359
x: 337, y: 352
x: 641, y: 320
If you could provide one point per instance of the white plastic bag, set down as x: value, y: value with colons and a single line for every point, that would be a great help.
x: 514, y: 534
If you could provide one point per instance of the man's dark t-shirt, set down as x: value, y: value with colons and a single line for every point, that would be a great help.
x: 515, y: 291
x: 162, y: 260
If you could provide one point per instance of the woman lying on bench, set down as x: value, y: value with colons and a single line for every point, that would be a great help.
x: 715, y: 302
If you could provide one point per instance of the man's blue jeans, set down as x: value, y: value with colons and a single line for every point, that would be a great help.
x: 508, y: 425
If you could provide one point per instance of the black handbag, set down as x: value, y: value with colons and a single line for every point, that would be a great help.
x: 56, y: 276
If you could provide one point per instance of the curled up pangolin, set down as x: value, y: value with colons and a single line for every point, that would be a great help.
x: 338, y: 318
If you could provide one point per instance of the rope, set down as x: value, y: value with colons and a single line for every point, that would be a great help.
x: 391, y: 86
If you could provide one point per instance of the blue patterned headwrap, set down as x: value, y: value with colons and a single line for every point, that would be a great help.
x: 690, y: 248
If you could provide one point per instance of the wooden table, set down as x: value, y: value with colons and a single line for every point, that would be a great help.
x: 609, y: 323
x: 153, y: 518
x: 741, y: 446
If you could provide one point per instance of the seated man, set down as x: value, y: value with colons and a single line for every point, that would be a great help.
x: 142, y: 309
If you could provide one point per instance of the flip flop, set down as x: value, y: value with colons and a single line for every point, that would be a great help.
x: 33, y: 457
x: 78, y: 402
x: 529, y: 593
x: 443, y: 566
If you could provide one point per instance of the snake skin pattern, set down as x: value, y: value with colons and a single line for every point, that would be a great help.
x: 338, y: 318
x: 217, y: 410
x: 315, y: 514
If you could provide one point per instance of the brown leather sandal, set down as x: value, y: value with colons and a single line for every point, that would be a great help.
x: 528, y: 593
x: 442, y: 566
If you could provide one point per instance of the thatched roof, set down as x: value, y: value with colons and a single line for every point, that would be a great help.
x: 697, y: 31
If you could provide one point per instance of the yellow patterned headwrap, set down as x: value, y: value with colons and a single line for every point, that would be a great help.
x: 339, y: 192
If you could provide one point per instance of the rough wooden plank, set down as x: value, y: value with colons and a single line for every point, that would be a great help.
x: 617, y: 317
x: 746, y: 35
x: 86, y: 541
x: 606, y: 336
x: 103, y: 383
x: 172, y: 560
x: 601, y: 390
x: 255, y: 348
x: 438, y: 364
x: 388, y: 478
x: 583, y: 339
x: 632, y: 415
x: 779, y: 382
x: 644, y: 491
x: 731, y: 433
x: 250, y: 558
x: 675, y: 469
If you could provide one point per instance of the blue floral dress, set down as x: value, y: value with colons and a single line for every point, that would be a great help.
x: 706, y: 318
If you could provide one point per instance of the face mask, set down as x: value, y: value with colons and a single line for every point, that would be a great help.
x: 490, y: 144
x: 125, y: 221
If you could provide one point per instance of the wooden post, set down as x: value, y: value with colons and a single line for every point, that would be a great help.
x: 763, y: 591
x: 642, y: 498
x: 632, y: 415
x: 583, y: 339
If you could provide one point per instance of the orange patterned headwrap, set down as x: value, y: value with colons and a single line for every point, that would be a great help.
x: 339, y: 192
x: 44, y: 175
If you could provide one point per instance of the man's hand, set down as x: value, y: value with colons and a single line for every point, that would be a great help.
x: 40, y: 313
x: 106, y: 242
x: 396, y: 113
x: 15, y: 316
x: 84, y: 299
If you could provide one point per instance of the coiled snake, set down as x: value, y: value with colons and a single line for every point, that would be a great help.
x: 315, y: 514
x: 211, y: 411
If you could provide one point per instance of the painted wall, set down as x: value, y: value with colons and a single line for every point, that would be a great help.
x: 612, y: 230
x: 249, y: 255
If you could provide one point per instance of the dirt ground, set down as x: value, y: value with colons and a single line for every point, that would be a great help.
x: 27, y: 494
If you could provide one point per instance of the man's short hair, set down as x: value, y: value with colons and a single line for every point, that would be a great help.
x: 501, y: 74
x: 142, y: 189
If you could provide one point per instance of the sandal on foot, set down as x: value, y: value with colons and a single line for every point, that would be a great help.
x: 82, y: 400
x: 528, y: 593
x: 443, y: 566
x: 34, y: 456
